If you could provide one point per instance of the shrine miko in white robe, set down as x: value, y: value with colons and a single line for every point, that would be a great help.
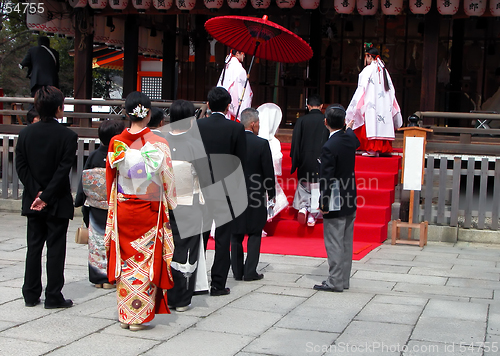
x: 233, y: 78
x: 374, y: 107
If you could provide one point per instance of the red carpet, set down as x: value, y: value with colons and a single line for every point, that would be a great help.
x: 376, y: 179
x: 298, y: 246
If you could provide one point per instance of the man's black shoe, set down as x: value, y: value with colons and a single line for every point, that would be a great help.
x: 326, y: 288
x: 67, y: 303
x: 32, y: 304
x: 254, y: 278
x: 215, y: 292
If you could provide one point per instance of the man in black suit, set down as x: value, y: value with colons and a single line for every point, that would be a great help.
x: 309, y: 135
x: 45, y: 153
x: 225, y: 145
x: 43, y: 65
x: 337, y: 167
x: 259, y: 174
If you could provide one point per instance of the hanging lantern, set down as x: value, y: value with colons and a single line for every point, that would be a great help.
x: 495, y: 7
x: 78, y: 3
x: 285, y: 4
x: 391, y: 7
x: 100, y: 35
x: 367, y: 7
x: 420, y: 7
x: 141, y: 5
x: 66, y: 27
x: 237, y: 4
x: 162, y: 5
x: 53, y: 14
x: 98, y: 4
x: 344, y: 6
x: 116, y: 37
x: 185, y: 5
x: 448, y: 7
x: 118, y: 4
x: 474, y: 7
x: 36, y: 21
x: 309, y: 4
x: 216, y: 4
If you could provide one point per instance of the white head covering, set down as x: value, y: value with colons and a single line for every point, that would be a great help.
x: 269, y: 122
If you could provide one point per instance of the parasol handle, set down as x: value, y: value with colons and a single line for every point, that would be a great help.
x: 246, y: 81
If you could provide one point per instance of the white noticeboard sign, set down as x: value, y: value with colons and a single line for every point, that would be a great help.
x: 414, y: 152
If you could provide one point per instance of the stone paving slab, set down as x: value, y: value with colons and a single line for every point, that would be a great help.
x: 439, y: 295
x: 449, y: 330
x: 289, y: 342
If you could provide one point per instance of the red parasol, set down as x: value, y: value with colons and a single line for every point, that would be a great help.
x: 259, y: 37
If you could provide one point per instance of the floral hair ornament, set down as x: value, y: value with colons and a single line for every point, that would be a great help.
x: 140, y: 111
x: 368, y: 45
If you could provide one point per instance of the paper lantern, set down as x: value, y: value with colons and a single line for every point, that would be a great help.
x: 163, y: 5
x: 98, y: 4
x: 116, y: 37
x: 420, y: 7
x: 36, y: 21
x: 309, y: 4
x: 285, y: 4
x: 260, y: 4
x: 100, y: 35
x: 448, y: 7
x: 344, y: 6
x: 367, y: 7
x: 215, y: 4
x: 53, y: 14
x: 141, y: 5
x: 474, y: 7
x: 237, y: 4
x: 66, y: 27
x: 495, y: 7
x: 78, y: 3
x: 118, y: 4
x: 185, y: 5
x: 391, y: 7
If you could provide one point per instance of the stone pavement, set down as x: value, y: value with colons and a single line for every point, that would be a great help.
x: 443, y: 299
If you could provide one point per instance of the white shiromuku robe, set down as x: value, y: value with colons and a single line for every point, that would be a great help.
x: 235, y: 77
x: 373, y: 106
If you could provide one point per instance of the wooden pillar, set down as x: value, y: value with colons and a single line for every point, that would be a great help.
x: 430, y: 64
x: 169, y: 74
x: 200, y: 58
x: 130, y: 55
x: 457, y: 49
x: 82, y: 83
x: 315, y: 61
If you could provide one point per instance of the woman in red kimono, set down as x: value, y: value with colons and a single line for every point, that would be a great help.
x: 138, y: 239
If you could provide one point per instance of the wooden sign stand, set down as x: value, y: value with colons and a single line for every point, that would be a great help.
x: 411, y: 131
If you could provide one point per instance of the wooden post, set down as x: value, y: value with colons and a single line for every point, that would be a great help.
x: 412, y: 131
x: 82, y: 84
x: 169, y: 76
x: 130, y: 55
x: 430, y: 64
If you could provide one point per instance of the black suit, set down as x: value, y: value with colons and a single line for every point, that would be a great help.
x: 309, y: 135
x: 45, y: 153
x: 259, y: 175
x: 221, y: 137
x: 337, y: 162
x: 43, y: 67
